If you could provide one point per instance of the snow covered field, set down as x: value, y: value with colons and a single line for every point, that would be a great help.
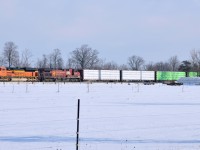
x: 112, y: 116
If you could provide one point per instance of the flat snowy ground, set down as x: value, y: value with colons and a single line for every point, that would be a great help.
x: 112, y: 116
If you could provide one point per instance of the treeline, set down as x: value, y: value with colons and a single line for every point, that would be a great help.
x: 86, y: 57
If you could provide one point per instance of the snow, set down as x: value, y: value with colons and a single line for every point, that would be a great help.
x: 42, y: 116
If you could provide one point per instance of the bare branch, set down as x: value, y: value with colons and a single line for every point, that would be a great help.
x: 25, y: 60
x: 174, y: 63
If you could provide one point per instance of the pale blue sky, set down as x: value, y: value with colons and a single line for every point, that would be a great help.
x: 152, y: 29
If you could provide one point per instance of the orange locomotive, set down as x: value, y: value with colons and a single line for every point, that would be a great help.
x: 32, y: 74
x: 58, y: 75
x: 3, y: 73
x: 18, y: 74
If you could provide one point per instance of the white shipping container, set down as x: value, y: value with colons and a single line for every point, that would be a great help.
x: 90, y: 74
x: 110, y: 74
x: 131, y: 75
x: 148, y: 75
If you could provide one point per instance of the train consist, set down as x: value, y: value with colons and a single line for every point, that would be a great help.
x: 33, y: 74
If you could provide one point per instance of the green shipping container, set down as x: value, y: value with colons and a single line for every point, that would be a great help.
x: 168, y: 75
x: 193, y: 74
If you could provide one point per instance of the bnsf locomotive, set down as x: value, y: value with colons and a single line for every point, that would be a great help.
x: 44, y: 74
x: 33, y: 74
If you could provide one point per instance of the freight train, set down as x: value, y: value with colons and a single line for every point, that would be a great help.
x: 42, y: 74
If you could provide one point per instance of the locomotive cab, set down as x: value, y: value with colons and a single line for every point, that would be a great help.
x: 3, y: 72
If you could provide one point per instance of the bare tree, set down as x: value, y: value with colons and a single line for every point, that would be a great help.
x: 43, y: 63
x: 70, y: 63
x: 56, y: 60
x: 11, y: 54
x: 110, y: 66
x: 162, y: 66
x: 85, y: 57
x: 123, y: 67
x: 135, y: 62
x: 174, y: 63
x: 100, y: 64
x: 195, y: 62
x: 150, y: 66
x: 25, y: 59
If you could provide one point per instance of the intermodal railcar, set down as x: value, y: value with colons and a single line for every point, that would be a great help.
x: 134, y: 76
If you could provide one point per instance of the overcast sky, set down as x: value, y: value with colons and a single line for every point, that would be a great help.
x: 152, y: 29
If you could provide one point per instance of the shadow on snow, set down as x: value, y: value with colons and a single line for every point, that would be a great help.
x: 98, y: 140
